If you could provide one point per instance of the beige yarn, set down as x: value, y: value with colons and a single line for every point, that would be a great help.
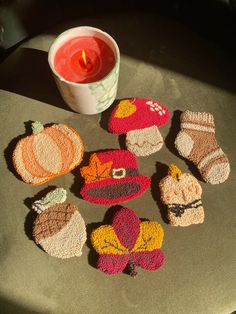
x: 144, y: 142
x: 196, y: 141
x: 68, y: 242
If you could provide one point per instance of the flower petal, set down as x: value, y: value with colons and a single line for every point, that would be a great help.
x: 126, y: 226
x: 105, y: 241
x: 149, y: 260
x: 150, y: 237
x: 112, y: 263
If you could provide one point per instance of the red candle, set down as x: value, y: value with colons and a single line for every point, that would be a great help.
x: 84, y: 59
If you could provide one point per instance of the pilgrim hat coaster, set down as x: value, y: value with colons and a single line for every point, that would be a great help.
x: 59, y: 228
x: 47, y: 153
x: 181, y: 192
x: 140, y: 118
x: 112, y: 177
x: 128, y: 243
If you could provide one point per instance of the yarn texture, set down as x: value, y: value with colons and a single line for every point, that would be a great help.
x: 181, y: 192
x: 47, y: 153
x: 112, y: 177
x: 197, y: 142
x: 128, y: 242
x: 59, y: 228
x: 140, y: 118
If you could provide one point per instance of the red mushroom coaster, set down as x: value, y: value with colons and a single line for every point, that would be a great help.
x: 59, y: 228
x: 140, y: 118
x: 181, y: 192
x: 128, y: 243
x: 112, y: 177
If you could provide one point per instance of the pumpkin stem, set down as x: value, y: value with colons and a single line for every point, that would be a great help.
x: 37, y: 127
x: 174, y: 171
x: 55, y: 197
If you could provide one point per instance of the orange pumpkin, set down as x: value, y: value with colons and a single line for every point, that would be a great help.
x: 47, y: 153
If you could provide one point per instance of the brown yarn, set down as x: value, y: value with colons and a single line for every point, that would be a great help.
x: 52, y: 220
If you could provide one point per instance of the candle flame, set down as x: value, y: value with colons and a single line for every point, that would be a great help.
x: 84, y: 57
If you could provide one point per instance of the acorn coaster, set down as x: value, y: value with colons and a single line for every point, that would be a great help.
x: 128, y: 243
x: 47, y: 153
x: 112, y: 177
x: 181, y: 192
x: 59, y: 228
x: 140, y: 118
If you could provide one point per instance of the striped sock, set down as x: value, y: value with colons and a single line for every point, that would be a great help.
x: 196, y: 141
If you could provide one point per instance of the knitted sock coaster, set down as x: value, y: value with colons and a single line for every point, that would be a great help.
x: 112, y: 177
x: 196, y: 141
x: 47, y: 153
x: 128, y: 242
x: 59, y: 228
x: 140, y: 118
x: 181, y: 192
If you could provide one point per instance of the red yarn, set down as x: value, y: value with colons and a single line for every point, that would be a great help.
x: 145, y: 116
x: 113, y: 189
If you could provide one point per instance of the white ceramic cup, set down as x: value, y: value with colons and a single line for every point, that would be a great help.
x: 87, y: 98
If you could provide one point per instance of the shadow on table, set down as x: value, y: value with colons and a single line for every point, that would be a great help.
x: 8, y: 306
x: 26, y: 72
x: 156, y: 40
x: 107, y: 220
x: 31, y: 216
x: 170, y: 143
x: 105, y: 116
x: 8, y: 152
x: 164, y: 42
x: 161, y: 172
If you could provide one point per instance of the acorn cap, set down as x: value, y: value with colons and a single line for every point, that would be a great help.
x: 52, y: 220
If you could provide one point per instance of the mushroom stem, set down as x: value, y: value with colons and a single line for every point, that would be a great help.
x: 144, y: 142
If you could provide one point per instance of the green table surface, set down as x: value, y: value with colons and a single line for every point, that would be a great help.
x: 160, y: 59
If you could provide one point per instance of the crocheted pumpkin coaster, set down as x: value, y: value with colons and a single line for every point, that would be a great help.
x: 128, y: 243
x: 140, y: 118
x: 112, y: 177
x: 47, y: 153
x: 181, y: 192
x: 59, y: 228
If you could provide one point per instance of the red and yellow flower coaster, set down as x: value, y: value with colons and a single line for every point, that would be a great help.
x: 59, y: 228
x: 140, y: 118
x: 47, y: 153
x: 181, y: 192
x: 128, y: 243
x: 112, y: 177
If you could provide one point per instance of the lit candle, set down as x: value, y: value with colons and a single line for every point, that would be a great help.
x: 85, y: 64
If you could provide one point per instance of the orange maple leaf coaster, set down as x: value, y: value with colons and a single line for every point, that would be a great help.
x: 128, y: 243
x: 47, y: 153
x: 96, y: 171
